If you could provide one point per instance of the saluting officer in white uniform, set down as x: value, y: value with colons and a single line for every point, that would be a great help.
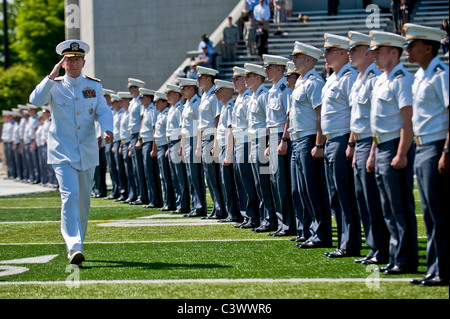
x: 431, y: 163
x: 74, y: 101
x: 390, y: 122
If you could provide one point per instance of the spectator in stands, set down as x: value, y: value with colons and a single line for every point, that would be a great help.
x: 279, y: 13
x: 288, y: 7
x: 191, y: 73
x: 211, y: 52
x: 204, y: 58
x: 404, y: 15
x: 230, y: 41
x: 333, y: 7
x: 261, y: 39
x: 262, y: 13
x: 249, y: 34
x: 444, y: 42
x: 395, y: 6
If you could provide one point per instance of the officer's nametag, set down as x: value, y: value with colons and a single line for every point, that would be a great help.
x: 89, y: 93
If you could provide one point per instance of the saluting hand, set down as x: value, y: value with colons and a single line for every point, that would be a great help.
x: 56, y: 68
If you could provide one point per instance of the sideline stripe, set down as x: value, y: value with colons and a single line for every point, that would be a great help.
x: 203, y: 281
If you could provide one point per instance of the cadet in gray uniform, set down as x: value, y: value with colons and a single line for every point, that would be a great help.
x: 74, y: 102
x: 390, y: 121
x: 209, y: 112
x: 367, y: 194
x: 430, y: 125
x: 145, y: 142
x: 308, y: 142
x: 189, y: 134
x: 160, y: 148
x: 280, y: 148
x: 134, y: 124
x: 118, y: 158
x: 254, y: 78
x: 335, y: 121
x: 173, y: 134
x: 224, y: 93
x: 248, y: 197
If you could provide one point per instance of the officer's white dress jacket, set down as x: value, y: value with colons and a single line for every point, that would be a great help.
x: 74, y: 102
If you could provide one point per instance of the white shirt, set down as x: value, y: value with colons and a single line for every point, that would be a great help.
x: 430, y: 100
x: 189, y: 117
x: 136, y: 111
x: 257, y: 111
x: 225, y: 119
x: 173, y: 129
x: 277, y: 105
x: 209, y: 109
x: 74, y: 102
x: 148, y: 120
x: 391, y: 92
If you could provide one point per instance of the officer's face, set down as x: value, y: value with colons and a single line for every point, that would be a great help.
x: 382, y: 56
x: 73, y: 66
x: 299, y: 61
x: 357, y: 54
x: 333, y: 55
x: 252, y: 81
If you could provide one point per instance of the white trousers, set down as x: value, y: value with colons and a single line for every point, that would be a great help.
x: 75, y: 187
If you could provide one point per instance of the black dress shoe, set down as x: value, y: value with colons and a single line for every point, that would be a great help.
x: 361, y: 260
x: 180, y: 211
x: 137, y: 202
x: 263, y: 229
x: 343, y: 253
x: 282, y: 233
x: 127, y: 201
x: 398, y: 270
x: 164, y: 209
x: 109, y: 197
x: 310, y: 244
x: 120, y: 199
x: 383, y: 269
x: 419, y: 281
x: 374, y: 261
x: 434, y: 282
x: 298, y: 239
x: 248, y: 225
x: 195, y: 214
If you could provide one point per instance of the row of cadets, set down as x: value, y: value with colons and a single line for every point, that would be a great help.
x: 46, y: 172
x: 189, y: 133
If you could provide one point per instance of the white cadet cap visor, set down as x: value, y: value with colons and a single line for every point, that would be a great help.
x: 221, y: 84
x: 182, y: 82
x: 201, y: 70
x: 144, y: 91
x: 72, y: 48
x: 124, y: 95
x: 255, y: 69
x: 418, y: 32
x: 309, y: 50
x: 135, y: 82
x: 172, y: 88
x: 357, y: 39
x: 108, y: 92
x: 237, y: 72
x: 385, y: 39
x: 160, y: 96
x: 274, y: 60
x: 335, y: 41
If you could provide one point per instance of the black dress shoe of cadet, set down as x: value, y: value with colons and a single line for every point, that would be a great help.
x: 310, y: 244
x: 195, y: 214
x: 374, y: 261
x: 434, y: 282
x: 298, y: 239
x: 343, y: 253
x: 263, y: 229
x: 164, y: 209
x: 383, y: 269
x: 247, y: 225
x: 127, y: 201
x: 120, y: 199
x: 361, y: 260
x: 398, y: 270
x: 419, y: 281
x: 137, y: 202
x: 281, y: 233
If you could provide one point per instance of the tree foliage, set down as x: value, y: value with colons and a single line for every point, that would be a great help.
x: 16, y: 84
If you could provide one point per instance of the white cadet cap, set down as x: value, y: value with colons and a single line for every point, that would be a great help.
x: 124, y: 95
x: 221, y: 84
x: 160, y: 96
x: 21, y: 107
x: 254, y: 68
x: 419, y: 32
x: 172, y: 88
x: 31, y: 106
x: 182, y: 82
x: 144, y: 91
x: 358, y: 38
x: 335, y: 41
x: 385, y: 39
x: 289, y: 68
x: 237, y: 72
x: 303, y: 48
x: 274, y: 59
x: 71, y: 48
x: 39, y: 114
x: 108, y: 92
x: 201, y: 70
x: 115, y: 98
x: 135, y: 82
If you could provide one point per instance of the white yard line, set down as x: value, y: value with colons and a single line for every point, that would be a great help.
x: 205, y: 281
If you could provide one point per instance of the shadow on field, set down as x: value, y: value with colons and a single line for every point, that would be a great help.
x: 91, y: 264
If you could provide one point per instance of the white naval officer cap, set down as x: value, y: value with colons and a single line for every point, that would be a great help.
x: 144, y: 91
x: 124, y: 95
x: 385, y: 39
x: 172, y: 88
x: 182, y: 82
x: 201, y: 70
x: 358, y: 38
x: 335, y: 41
x: 254, y: 68
x: 303, y: 48
x: 419, y: 32
x: 159, y: 95
x: 108, y: 92
x: 71, y: 48
x: 135, y: 82
x: 274, y: 59
x: 221, y: 84
x: 237, y: 72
